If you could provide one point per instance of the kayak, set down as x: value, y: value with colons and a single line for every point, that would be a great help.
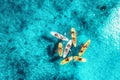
x: 80, y: 59
x: 84, y: 47
x: 59, y: 36
x: 66, y: 60
x: 73, y: 35
x: 67, y: 48
x: 60, y: 49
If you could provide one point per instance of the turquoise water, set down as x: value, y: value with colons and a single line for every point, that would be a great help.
x: 27, y: 50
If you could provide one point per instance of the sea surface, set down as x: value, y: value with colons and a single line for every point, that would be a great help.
x: 29, y: 52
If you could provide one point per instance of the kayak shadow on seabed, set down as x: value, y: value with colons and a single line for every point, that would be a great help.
x: 52, y: 51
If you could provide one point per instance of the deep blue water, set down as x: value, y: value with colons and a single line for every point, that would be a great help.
x: 27, y: 50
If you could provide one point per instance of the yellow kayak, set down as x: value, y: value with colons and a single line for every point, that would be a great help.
x: 80, y: 59
x: 84, y: 47
x: 66, y: 60
x: 73, y: 35
x: 60, y: 49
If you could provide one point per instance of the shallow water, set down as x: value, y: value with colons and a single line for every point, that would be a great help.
x: 29, y: 52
